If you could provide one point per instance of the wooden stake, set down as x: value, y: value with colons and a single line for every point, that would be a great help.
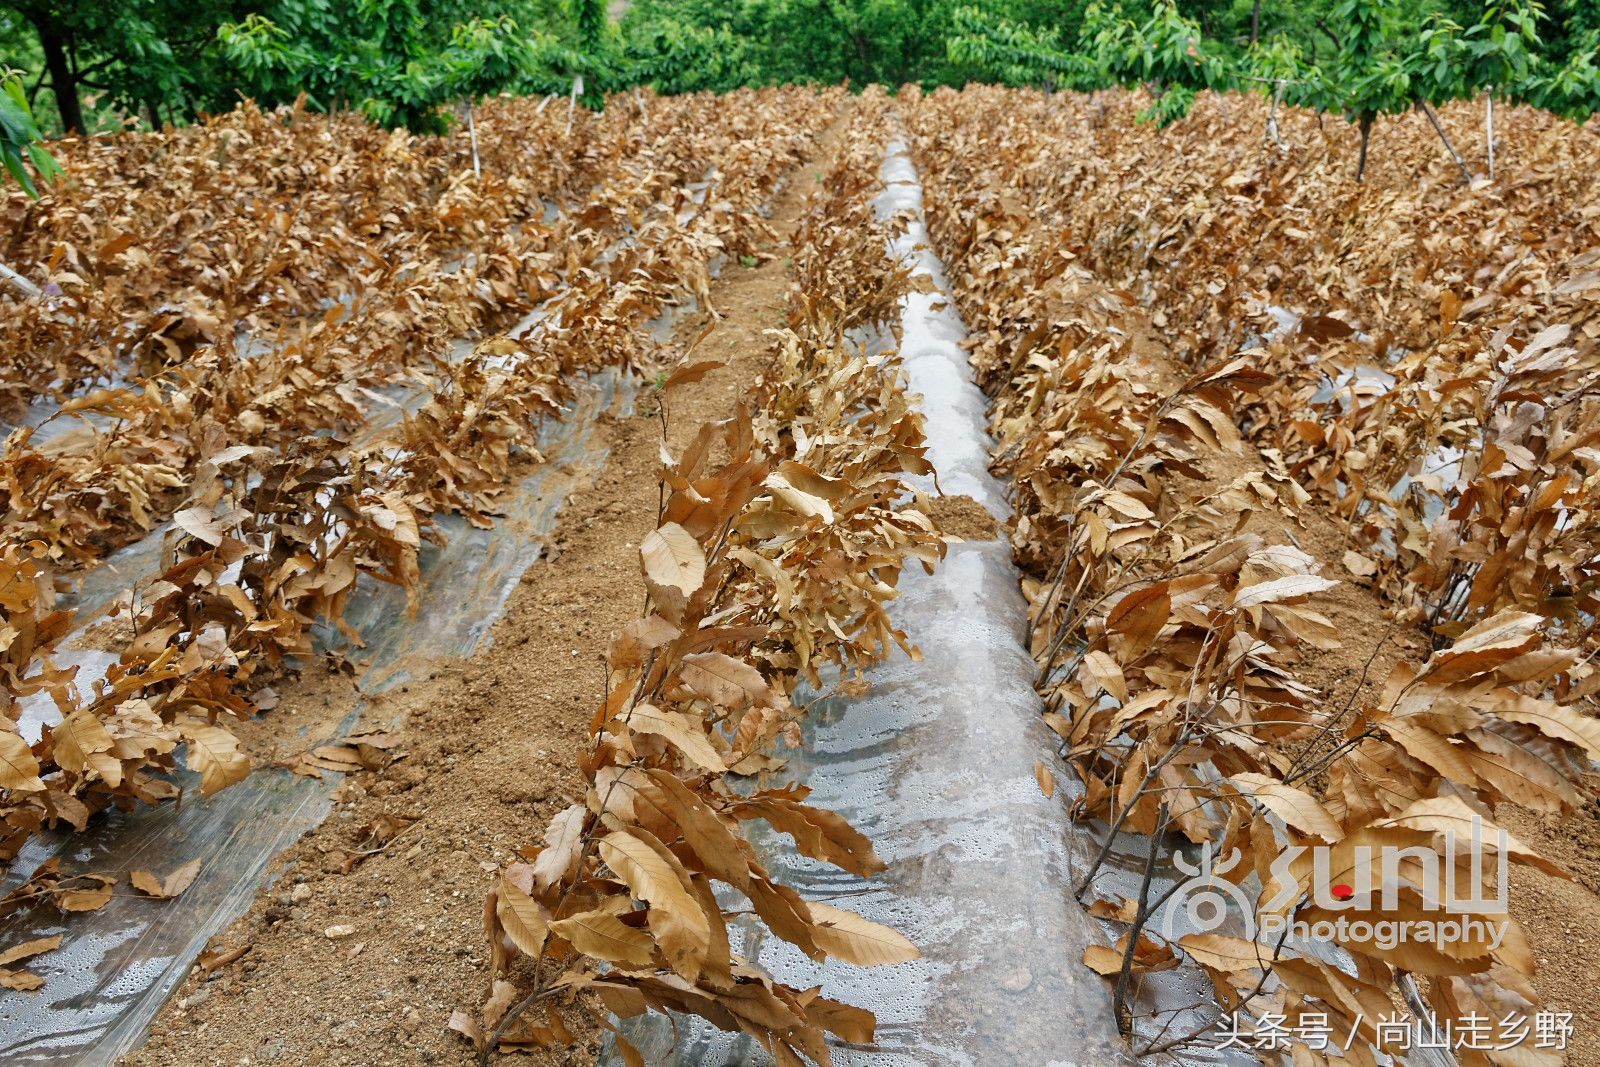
x: 1488, y: 122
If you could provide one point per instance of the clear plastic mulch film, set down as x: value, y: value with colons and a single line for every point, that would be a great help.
x: 119, y: 964
x: 936, y: 765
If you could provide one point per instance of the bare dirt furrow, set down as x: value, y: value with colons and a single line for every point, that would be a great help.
x: 490, y: 747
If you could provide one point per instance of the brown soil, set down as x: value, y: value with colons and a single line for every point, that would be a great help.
x: 963, y: 517
x: 1562, y: 916
x: 490, y: 747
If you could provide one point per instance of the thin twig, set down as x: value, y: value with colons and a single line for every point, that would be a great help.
x: 1427, y: 109
x: 1119, y: 1001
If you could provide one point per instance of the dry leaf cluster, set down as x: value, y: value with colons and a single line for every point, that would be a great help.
x: 286, y: 473
x: 781, y: 537
x: 370, y: 285
x: 1174, y: 610
x: 1432, y: 345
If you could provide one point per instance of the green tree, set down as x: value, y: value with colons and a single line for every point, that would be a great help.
x: 397, y: 61
x: 402, y: 61
x: 1018, y: 54
x: 674, y: 57
x: 20, y: 150
x: 1163, y: 50
x: 1570, y: 89
x: 150, y: 55
x: 1367, y: 75
x: 891, y: 42
x: 592, y: 23
x: 1167, y: 51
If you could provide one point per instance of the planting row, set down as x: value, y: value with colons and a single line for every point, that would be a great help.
x: 1183, y: 585
x: 782, y: 534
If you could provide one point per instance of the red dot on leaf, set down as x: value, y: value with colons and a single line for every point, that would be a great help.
x: 1343, y: 892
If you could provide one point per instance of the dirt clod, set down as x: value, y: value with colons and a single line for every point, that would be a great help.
x: 964, y: 517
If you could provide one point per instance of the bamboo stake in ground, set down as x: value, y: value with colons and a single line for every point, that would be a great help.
x: 22, y: 285
x: 572, y: 101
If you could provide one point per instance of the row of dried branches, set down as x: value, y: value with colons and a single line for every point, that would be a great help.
x: 375, y: 335
x: 1436, y: 373
x: 1175, y: 613
x: 276, y: 520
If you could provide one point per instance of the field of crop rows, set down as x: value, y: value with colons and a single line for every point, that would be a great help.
x: 1299, y: 481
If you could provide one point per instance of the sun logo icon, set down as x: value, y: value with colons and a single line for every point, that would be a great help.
x: 1205, y: 900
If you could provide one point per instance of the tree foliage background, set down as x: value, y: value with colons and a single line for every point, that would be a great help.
x: 90, y: 64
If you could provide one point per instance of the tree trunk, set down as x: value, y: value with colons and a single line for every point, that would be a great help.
x: 1365, y: 123
x: 1255, y: 22
x: 62, y: 82
x: 1445, y: 137
x: 472, y: 130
